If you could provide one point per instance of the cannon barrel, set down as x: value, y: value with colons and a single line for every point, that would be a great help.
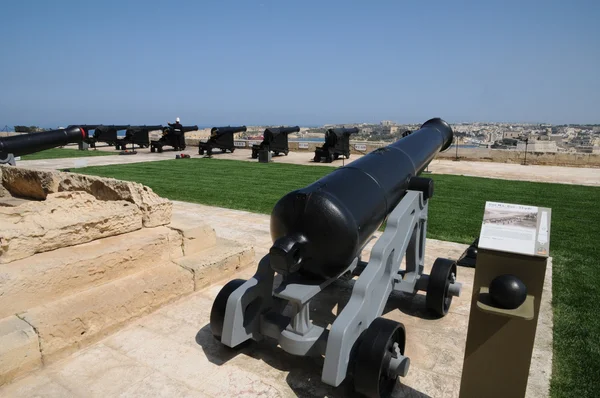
x: 148, y: 128
x: 115, y: 127
x: 282, y: 130
x: 24, y: 144
x: 189, y: 128
x: 343, y: 130
x: 86, y: 127
x: 318, y: 230
x: 228, y: 129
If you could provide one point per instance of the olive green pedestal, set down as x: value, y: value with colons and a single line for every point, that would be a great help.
x: 500, y: 341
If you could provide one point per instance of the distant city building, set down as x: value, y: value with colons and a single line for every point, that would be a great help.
x: 386, y: 123
x: 537, y: 146
x: 390, y: 129
x: 512, y: 134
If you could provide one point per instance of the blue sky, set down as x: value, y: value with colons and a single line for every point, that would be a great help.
x: 298, y: 62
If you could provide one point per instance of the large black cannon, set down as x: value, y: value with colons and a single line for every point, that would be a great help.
x: 220, y: 138
x: 24, y: 144
x: 275, y: 140
x: 319, y: 233
x: 138, y: 135
x: 107, y: 134
x: 173, y: 137
x: 337, y: 143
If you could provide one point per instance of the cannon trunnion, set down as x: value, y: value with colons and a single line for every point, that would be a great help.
x: 318, y: 235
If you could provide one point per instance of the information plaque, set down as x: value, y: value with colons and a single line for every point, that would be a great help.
x: 516, y: 229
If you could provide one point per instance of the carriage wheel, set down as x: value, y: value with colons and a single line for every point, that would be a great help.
x: 443, y: 273
x: 382, y: 340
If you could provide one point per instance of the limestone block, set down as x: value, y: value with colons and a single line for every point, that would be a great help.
x: 196, y: 235
x: 73, y: 322
x: 218, y: 262
x: 28, y: 183
x: 19, y: 349
x: 37, y: 184
x: 3, y: 192
x: 155, y: 210
x: 49, y: 276
x: 63, y: 219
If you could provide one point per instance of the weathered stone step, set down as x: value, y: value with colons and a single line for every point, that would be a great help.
x: 63, y: 219
x: 66, y: 325
x: 19, y: 349
x: 218, y: 262
x: 196, y: 235
x: 52, y: 275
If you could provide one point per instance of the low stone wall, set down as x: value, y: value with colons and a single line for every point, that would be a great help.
x: 518, y: 157
x: 474, y: 154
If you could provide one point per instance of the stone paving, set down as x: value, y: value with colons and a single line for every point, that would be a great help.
x: 171, y: 352
x: 554, y: 174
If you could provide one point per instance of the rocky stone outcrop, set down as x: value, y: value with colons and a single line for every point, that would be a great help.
x: 37, y: 184
x: 3, y: 192
x: 63, y: 219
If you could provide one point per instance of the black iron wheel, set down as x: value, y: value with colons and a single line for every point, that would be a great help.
x: 217, y: 312
x: 276, y: 153
x: 152, y: 149
x: 232, y: 149
x: 376, y: 348
x: 223, y: 150
x: 160, y: 149
x: 201, y: 151
x: 443, y: 273
x: 317, y: 159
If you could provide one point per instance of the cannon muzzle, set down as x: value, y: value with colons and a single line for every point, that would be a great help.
x: 25, y: 144
x: 318, y: 230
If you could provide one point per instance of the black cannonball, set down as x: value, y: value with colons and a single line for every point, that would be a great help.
x: 472, y: 252
x: 508, y: 292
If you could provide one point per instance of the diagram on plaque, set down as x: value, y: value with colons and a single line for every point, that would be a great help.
x: 514, y: 228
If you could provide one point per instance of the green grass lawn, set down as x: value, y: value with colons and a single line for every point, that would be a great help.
x: 60, y: 153
x: 455, y: 214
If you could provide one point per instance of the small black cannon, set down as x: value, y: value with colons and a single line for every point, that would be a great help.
x: 220, y: 138
x: 24, y: 144
x: 319, y: 233
x: 172, y: 137
x: 275, y: 140
x: 137, y: 135
x: 337, y: 143
x: 106, y: 133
